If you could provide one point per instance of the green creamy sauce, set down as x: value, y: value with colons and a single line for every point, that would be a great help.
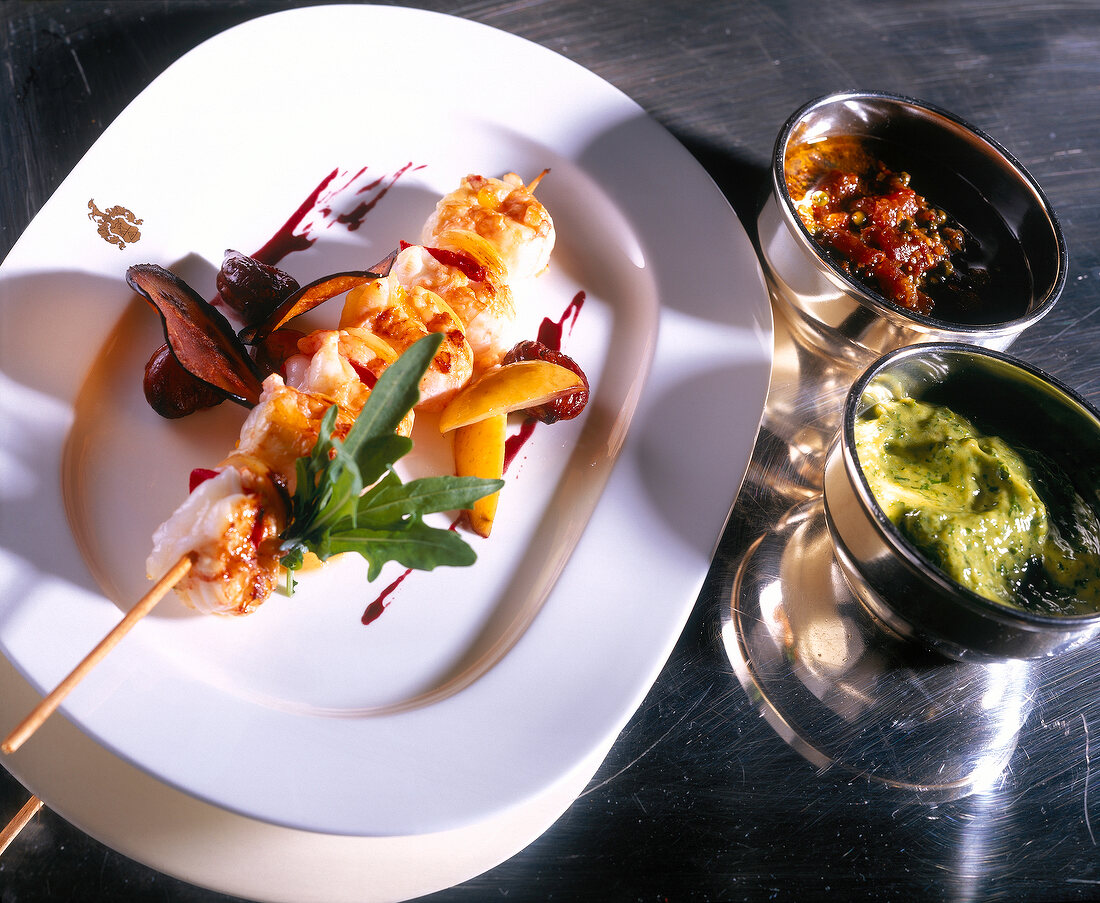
x: 976, y: 509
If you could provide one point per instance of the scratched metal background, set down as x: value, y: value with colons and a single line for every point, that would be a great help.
x: 699, y: 798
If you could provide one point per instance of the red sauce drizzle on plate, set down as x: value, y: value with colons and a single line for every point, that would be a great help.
x: 380, y: 604
x: 514, y: 443
x: 354, y: 219
x: 294, y: 235
x: 550, y: 332
x: 285, y: 241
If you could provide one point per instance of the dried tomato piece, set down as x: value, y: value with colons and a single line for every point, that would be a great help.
x: 312, y: 295
x: 271, y: 353
x: 461, y: 261
x: 201, y: 338
x: 564, y: 408
x: 253, y: 289
x: 174, y: 392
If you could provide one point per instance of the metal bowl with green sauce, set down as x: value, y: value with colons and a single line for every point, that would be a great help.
x: 963, y: 499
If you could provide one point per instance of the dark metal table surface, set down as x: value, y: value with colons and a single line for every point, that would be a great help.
x: 699, y: 798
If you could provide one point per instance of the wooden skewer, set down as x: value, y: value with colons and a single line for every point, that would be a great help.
x: 46, y: 707
x: 18, y: 823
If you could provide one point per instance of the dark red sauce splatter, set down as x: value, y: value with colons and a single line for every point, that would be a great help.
x: 295, y: 232
x: 380, y: 604
x: 513, y: 444
x: 354, y: 219
x: 285, y: 241
x: 550, y: 332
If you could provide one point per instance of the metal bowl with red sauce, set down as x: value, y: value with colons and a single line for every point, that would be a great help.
x: 893, y: 222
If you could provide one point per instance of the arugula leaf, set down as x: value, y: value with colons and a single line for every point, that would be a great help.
x: 391, y: 500
x: 348, y: 497
x: 415, y: 545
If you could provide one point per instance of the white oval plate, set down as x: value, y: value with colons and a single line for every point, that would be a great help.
x: 478, y: 687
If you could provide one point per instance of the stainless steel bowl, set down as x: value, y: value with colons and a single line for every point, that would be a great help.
x: 891, y: 578
x: 956, y: 167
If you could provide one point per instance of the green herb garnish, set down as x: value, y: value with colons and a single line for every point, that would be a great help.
x: 348, y: 497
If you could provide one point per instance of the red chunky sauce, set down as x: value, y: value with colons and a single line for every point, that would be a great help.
x: 960, y: 263
x: 884, y: 234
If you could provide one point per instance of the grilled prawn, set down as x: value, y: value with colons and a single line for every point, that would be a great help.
x: 504, y: 212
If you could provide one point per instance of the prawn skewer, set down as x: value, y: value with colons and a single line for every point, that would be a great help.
x: 221, y: 549
x: 457, y: 284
